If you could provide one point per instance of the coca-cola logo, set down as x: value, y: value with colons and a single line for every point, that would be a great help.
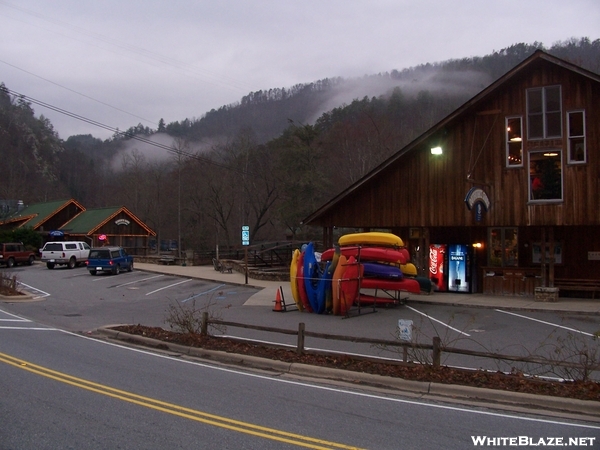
x: 433, y: 266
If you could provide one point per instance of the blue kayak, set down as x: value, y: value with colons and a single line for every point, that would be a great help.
x: 316, y: 280
x: 376, y: 270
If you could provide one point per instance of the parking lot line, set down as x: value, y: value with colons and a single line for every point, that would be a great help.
x: 545, y: 323
x: 139, y: 281
x: 436, y: 320
x: 203, y: 293
x: 169, y: 286
x: 31, y: 288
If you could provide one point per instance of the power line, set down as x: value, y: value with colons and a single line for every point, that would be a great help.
x: 116, y: 132
x: 79, y: 93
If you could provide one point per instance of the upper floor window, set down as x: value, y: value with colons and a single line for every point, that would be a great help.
x: 544, y: 113
x: 514, y: 141
x: 576, y: 130
x: 545, y: 175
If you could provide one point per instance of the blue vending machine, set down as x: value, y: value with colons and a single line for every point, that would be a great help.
x: 459, y: 268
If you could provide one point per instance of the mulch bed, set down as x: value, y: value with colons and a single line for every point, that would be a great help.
x: 492, y: 380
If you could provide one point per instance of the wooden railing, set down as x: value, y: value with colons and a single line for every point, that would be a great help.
x: 508, y: 281
x: 436, y: 348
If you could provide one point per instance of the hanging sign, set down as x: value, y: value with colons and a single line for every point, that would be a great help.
x: 476, y: 197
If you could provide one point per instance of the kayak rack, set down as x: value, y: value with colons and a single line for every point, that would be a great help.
x: 281, y: 305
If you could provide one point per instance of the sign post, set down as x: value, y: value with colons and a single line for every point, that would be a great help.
x: 246, y: 243
x: 405, y: 334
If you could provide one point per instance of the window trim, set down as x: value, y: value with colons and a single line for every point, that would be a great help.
x: 544, y: 113
x: 505, y: 249
x: 569, y: 137
x: 507, y: 134
x: 532, y: 200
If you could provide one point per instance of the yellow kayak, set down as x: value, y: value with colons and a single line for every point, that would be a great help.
x: 371, y: 238
x: 293, y: 280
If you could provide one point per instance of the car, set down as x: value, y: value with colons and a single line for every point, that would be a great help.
x: 69, y: 253
x: 13, y: 253
x: 109, y: 259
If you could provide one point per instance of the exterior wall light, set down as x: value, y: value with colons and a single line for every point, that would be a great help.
x: 436, y: 150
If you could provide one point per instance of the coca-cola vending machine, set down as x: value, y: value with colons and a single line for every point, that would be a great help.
x: 437, y: 270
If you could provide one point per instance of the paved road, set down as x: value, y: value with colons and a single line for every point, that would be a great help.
x: 63, y: 390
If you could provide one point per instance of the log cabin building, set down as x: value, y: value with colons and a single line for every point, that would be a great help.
x: 507, y: 185
x: 70, y: 220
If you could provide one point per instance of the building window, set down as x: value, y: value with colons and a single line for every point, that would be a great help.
x: 504, y: 247
x: 576, y: 129
x: 545, y: 175
x: 544, y: 113
x: 514, y: 142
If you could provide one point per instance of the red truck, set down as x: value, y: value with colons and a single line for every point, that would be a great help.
x: 13, y: 253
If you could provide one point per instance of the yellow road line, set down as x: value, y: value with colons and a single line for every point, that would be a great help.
x: 169, y: 408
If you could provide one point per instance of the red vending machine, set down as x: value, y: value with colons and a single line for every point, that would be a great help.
x: 437, y: 267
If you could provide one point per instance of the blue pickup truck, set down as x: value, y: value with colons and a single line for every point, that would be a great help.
x: 109, y: 259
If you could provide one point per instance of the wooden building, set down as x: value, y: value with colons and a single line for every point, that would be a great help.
x: 514, y: 170
x: 69, y: 220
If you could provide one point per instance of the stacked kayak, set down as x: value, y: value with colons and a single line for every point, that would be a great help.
x: 376, y: 262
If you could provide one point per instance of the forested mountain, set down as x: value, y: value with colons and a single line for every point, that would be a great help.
x: 267, y: 161
x: 268, y: 112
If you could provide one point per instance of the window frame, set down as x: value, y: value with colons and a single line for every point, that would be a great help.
x: 508, y: 132
x: 531, y: 198
x: 545, y: 113
x: 571, y: 138
x: 508, y: 253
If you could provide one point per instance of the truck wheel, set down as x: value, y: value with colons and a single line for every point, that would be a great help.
x: 50, y: 265
x: 92, y: 272
x: 10, y: 263
x: 130, y: 268
x: 72, y: 263
x: 116, y: 270
x: 30, y: 260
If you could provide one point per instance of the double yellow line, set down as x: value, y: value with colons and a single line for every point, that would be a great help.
x: 176, y: 410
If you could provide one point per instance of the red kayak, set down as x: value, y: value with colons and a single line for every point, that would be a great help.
x: 386, y: 254
x: 405, y: 284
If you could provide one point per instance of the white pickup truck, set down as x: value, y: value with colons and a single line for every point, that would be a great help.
x: 69, y: 253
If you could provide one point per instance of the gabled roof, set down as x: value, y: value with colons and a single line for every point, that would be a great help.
x: 35, y: 215
x: 538, y: 57
x: 91, y: 220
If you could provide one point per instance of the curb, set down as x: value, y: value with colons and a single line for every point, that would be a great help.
x: 426, y: 389
x: 21, y: 298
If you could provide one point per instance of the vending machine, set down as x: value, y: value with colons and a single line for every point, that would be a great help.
x: 450, y: 267
x: 459, y: 268
x: 437, y: 262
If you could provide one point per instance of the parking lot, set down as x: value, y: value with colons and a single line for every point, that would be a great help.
x: 73, y: 300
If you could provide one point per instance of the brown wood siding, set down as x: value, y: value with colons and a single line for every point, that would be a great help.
x: 425, y: 190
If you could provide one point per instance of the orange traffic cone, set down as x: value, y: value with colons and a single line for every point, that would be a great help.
x: 278, y: 307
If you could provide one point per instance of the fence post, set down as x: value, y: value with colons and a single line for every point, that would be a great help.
x: 437, y: 353
x: 204, y: 324
x: 300, y: 345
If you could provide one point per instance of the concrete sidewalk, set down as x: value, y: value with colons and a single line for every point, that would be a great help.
x: 268, y: 290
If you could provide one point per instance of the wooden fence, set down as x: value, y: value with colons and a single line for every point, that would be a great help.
x: 436, y: 348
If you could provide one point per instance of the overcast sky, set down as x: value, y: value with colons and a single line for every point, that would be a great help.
x: 126, y: 62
